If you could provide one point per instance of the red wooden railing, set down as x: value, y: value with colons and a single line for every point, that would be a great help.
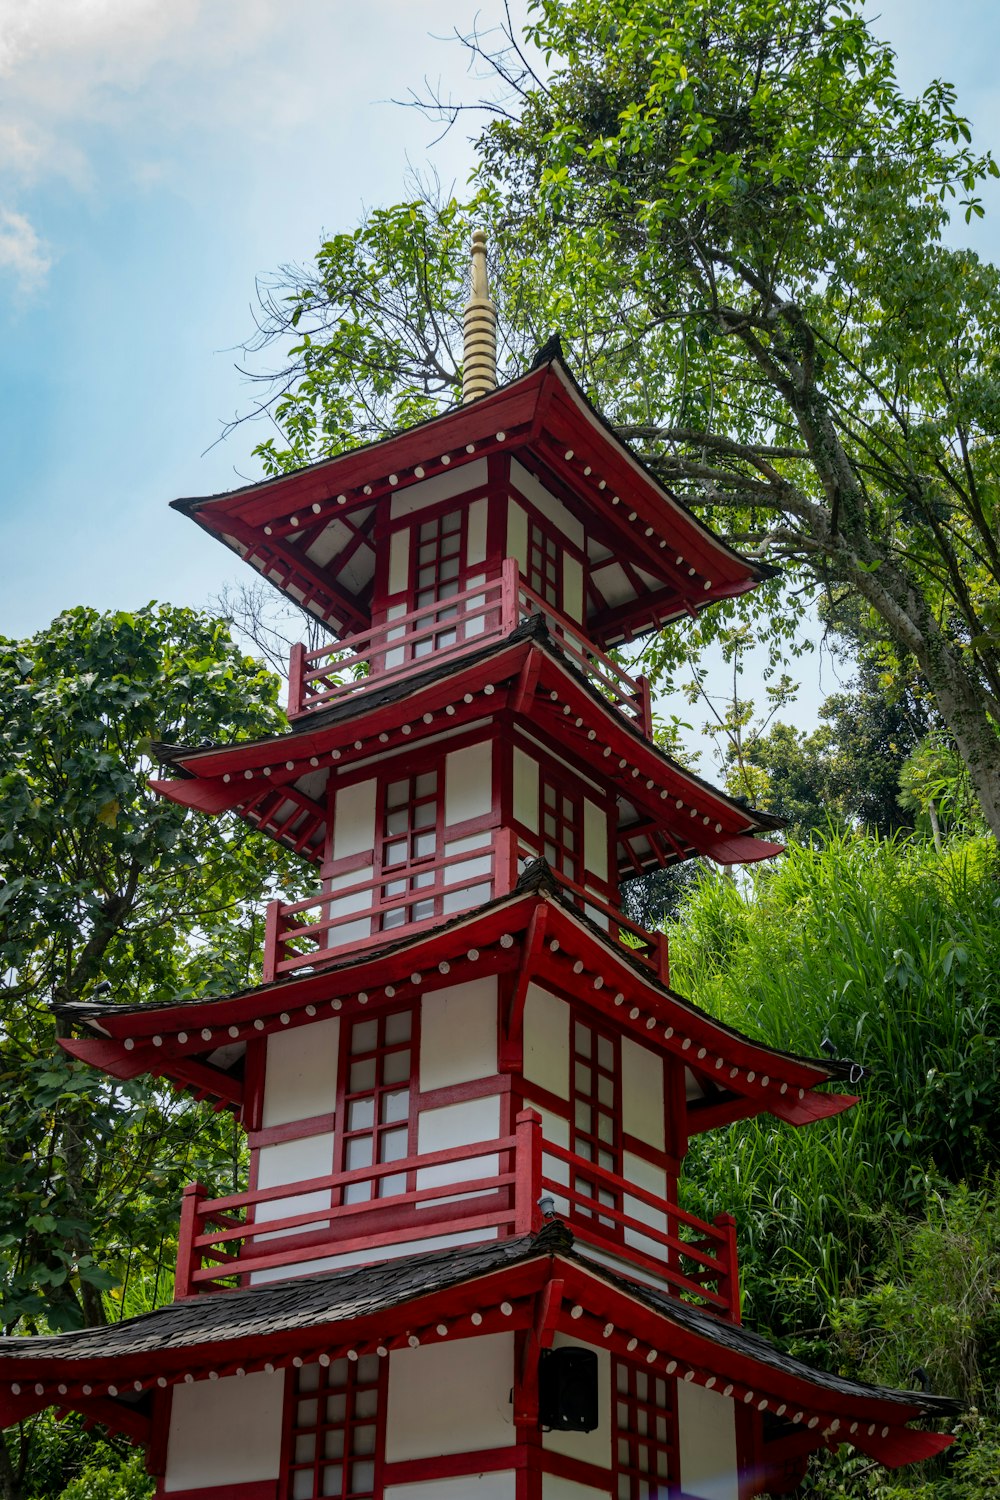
x: 222, y: 1242
x: 294, y: 940
x: 448, y: 628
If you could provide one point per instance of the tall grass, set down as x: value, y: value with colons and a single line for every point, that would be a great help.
x: 892, y: 951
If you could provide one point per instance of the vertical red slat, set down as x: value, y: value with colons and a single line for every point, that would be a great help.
x: 645, y: 706
x: 729, y: 1285
x: 186, y: 1232
x: 528, y: 1172
x: 296, y: 671
x: 272, y: 932
x: 509, y: 590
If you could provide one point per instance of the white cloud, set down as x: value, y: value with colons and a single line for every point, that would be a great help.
x: 22, y: 253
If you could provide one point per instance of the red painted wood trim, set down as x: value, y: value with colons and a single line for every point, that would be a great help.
x: 451, y: 1465
x: 261, y: 1489
x: 292, y: 1130
x: 577, y: 1469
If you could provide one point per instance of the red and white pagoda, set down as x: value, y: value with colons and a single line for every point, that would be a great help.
x: 458, y: 1270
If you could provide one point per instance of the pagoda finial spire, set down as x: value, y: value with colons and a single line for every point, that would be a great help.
x: 479, y: 361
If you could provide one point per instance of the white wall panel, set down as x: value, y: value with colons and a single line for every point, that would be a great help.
x: 547, y: 504
x: 300, y: 1078
x: 225, y: 1431
x: 572, y: 587
x: 293, y: 1161
x: 654, y: 1179
x: 556, y: 1488
x: 468, y: 783
x: 595, y: 839
x: 707, y: 1428
x: 589, y: 1447
x: 517, y: 535
x: 501, y: 1486
x: 458, y: 1034
x: 399, y: 560
x: 546, y: 1041
x: 458, y: 1125
x: 354, y: 821
x: 456, y: 481
x: 376, y: 1254
x: 525, y: 772
x: 450, y: 1398
x: 477, y: 533
x: 642, y: 1093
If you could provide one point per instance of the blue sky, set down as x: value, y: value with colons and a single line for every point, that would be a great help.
x: 158, y: 155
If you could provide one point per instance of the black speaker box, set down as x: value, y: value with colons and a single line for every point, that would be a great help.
x: 567, y: 1390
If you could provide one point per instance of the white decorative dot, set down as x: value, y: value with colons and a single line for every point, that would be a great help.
x: 671, y: 1366
x: 632, y: 1344
x: 310, y: 1010
x: 293, y: 520
x: 258, y: 1025
x: 390, y: 990
x: 701, y: 1052
x: 284, y: 1018
x: 477, y: 1318
x: 470, y: 447
x: 576, y: 1312
x: 234, y: 1031
x: 267, y: 531
x: 446, y: 459
x: 685, y: 1045
x: 501, y: 436
x: 652, y: 1357
x: 607, y: 1330
x: 568, y: 454
x: 341, y: 499
x: 393, y: 478
x: 367, y: 489
x: 316, y: 508
x: 442, y: 1329
x: 419, y: 472
x: 634, y: 1013
x: 507, y: 941
x: 129, y: 1044
x: 206, y: 1034
x: 668, y: 1033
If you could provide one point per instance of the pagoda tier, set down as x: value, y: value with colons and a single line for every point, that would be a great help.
x: 517, y: 756
x: 428, y: 1378
x: 502, y: 1034
x: 537, y: 474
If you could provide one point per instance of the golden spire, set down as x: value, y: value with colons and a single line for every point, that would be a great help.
x: 479, y: 358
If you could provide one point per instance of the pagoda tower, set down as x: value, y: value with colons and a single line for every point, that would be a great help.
x: 458, y: 1269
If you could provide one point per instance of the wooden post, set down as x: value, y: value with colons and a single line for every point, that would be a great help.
x: 528, y: 1172
x: 729, y: 1285
x: 272, y: 935
x: 186, y: 1234
x: 663, y: 958
x: 296, y: 679
x: 645, y: 706
x: 510, y: 588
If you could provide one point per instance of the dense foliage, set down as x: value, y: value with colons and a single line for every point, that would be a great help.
x: 735, y: 219
x: 870, y: 1242
x: 107, y: 891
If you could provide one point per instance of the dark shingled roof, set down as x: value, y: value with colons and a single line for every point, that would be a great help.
x: 342, y: 1296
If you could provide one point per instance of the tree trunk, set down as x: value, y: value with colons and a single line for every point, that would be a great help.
x: 843, y: 529
x: 10, y: 1485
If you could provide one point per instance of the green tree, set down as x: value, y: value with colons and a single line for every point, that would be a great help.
x: 107, y: 887
x: 735, y: 218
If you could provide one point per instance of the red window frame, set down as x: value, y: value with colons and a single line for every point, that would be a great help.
x: 644, y: 1434
x: 410, y: 834
x: 334, y: 1430
x: 544, y: 571
x: 376, y: 1100
x: 560, y: 826
x: 595, y: 1131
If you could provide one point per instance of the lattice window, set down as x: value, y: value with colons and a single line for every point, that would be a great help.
x: 335, y: 1418
x: 645, y: 1434
x: 562, y: 829
x: 544, y: 570
x: 375, y: 1101
x: 410, y: 817
x: 595, y: 1133
x: 440, y: 545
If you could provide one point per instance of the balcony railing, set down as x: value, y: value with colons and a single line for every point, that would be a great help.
x: 444, y: 629
x: 226, y: 1242
x: 411, y: 898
